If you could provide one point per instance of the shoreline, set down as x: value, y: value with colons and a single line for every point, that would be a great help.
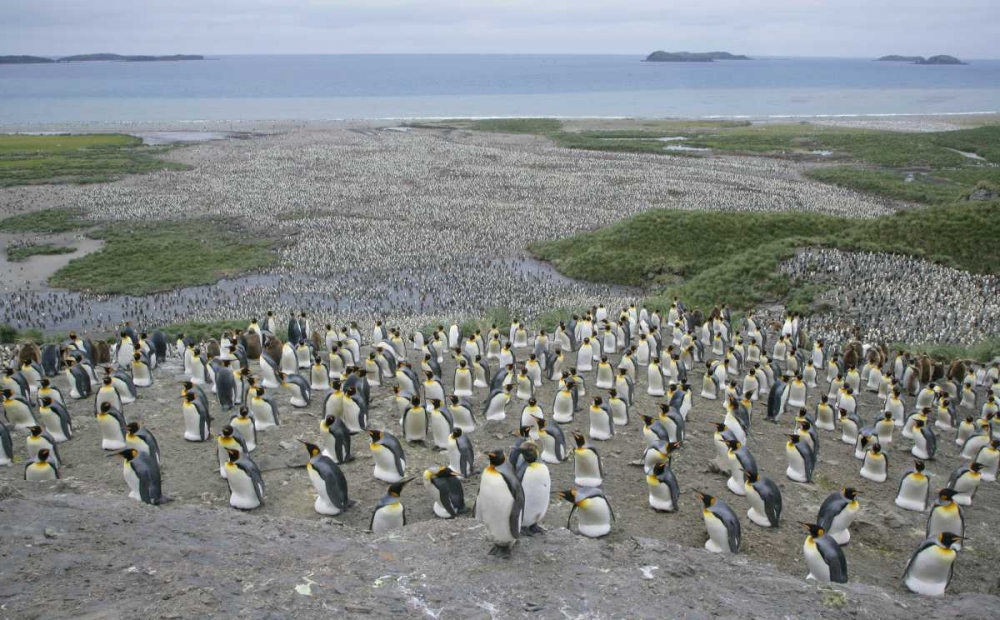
x: 901, y: 121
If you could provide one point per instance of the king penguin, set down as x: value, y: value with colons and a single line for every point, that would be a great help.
x: 500, y: 504
x: 246, y: 485
x: 328, y: 481
x: 663, y: 489
x: 837, y: 513
x: 965, y: 481
x: 914, y: 489
x: 41, y: 468
x: 336, y: 439
x: 389, y: 513
x: 242, y: 421
x: 536, y: 483
x: 55, y: 418
x: 594, y: 513
x: 390, y: 462
x: 588, y: 471
x: 197, y: 423
x: 824, y: 557
x: 40, y: 439
x: 142, y: 474
x: 722, y: 524
x: 112, y: 425
x: 764, y: 498
x: 931, y: 566
x: 445, y: 490
x: 461, y: 457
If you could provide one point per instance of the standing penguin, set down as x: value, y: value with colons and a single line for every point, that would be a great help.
x: 801, y: 459
x: 663, y: 490
x: 328, y: 481
x: 389, y: 513
x: 594, y: 513
x: 500, y: 504
x: 6, y: 446
x: 197, y: 423
x: 445, y: 489
x: 965, y: 481
x: 836, y: 514
x: 228, y: 440
x: 536, y: 483
x: 142, y: 474
x: 764, y: 498
x: 946, y: 516
x: 553, y: 442
x: 18, y: 411
x: 112, y: 425
x: 242, y: 422
x: 931, y: 566
x: 914, y: 489
x: 875, y: 466
x: 824, y: 557
x: 461, y: 457
x: 225, y: 386
x: 336, y: 439
x: 55, y: 418
x: 40, y: 439
x: 390, y: 462
x: 588, y: 471
x: 41, y: 468
x: 246, y: 485
x: 264, y: 410
x: 142, y: 375
x: 298, y: 387
x: 722, y: 524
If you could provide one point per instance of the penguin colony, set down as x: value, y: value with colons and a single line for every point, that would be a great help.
x: 879, y: 297
x: 458, y: 212
x: 763, y: 382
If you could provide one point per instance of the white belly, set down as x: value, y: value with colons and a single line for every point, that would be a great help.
x: 718, y: 536
x: 440, y: 431
x: 929, y: 572
x: 263, y: 418
x: 493, y: 508
x: 111, y: 433
x: 415, y: 428
x: 659, y: 497
x: 818, y: 569
x: 594, y: 518
x: 192, y: 424
x: 133, y: 482
x: 385, y: 465
x: 323, y: 504
x: 537, y: 489
x: 588, y: 471
x: 241, y: 490
x: 913, y: 494
x: 38, y: 474
x: 600, y: 428
x: 562, y: 411
x: 388, y: 518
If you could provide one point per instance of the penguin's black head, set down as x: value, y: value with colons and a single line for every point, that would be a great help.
x: 976, y: 467
x: 190, y: 396
x: 851, y: 493
x: 107, y: 380
x: 659, y: 468
x: 947, y: 539
x: 375, y: 435
x: 105, y: 407
x: 751, y: 476
x: 529, y: 451
x: 133, y: 428
x: 244, y: 412
x: 919, y: 465
x: 227, y: 431
x: 234, y: 455
x: 613, y: 393
x: 415, y: 401
x: 579, y: 438
x: 311, y: 448
x: 396, y: 488
x: 918, y: 423
x: 707, y: 500
x: 598, y: 401
x: 814, y: 530
x: 35, y: 430
x: 877, y: 448
x: 496, y: 457
x: 887, y: 415
x: 260, y: 391
x: 456, y: 433
x: 43, y: 455
x: 532, y: 401
x: 794, y: 438
x: 569, y: 495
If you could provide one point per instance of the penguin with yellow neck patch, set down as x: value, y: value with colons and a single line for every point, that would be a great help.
x: 41, y: 468
x: 837, y: 513
x: 914, y: 489
x: 824, y: 557
x: 445, y: 489
x: 40, y: 439
x: 930, y: 568
x: 724, y: 533
x: 246, y: 485
x: 142, y: 474
x: 328, y: 481
x: 389, y: 513
x: 594, y: 513
x: 500, y: 504
x: 390, y: 462
x: 55, y: 418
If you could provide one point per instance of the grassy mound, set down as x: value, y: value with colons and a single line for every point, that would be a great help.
x: 22, y: 253
x: 90, y: 158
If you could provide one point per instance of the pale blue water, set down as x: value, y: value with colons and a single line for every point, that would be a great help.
x: 408, y: 86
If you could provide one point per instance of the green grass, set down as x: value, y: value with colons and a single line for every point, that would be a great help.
x: 202, y: 330
x: 726, y: 257
x: 983, y: 352
x: 24, y: 252
x: 47, y: 221
x: 139, y: 259
x: 877, y: 162
x: 90, y: 158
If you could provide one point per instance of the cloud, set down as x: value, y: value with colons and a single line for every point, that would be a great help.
x: 772, y: 27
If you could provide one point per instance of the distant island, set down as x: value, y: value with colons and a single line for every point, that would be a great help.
x: 942, y: 59
x: 661, y: 56
x: 34, y: 60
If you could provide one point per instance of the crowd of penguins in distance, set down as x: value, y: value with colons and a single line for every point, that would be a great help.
x: 741, y: 369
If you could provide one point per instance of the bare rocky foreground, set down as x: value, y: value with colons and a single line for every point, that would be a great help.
x: 79, y: 548
x: 98, y: 558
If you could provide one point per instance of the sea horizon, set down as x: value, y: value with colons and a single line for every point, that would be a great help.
x: 328, y: 87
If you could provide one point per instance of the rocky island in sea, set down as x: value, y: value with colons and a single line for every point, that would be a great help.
x: 942, y: 59
x: 661, y: 56
x: 35, y: 60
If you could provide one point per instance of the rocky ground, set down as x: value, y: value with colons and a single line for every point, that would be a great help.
x: 79, y: 548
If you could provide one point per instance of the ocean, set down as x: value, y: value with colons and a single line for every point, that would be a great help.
x: 333, y: 87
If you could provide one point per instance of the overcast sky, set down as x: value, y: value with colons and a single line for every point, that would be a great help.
x: 862, y: 28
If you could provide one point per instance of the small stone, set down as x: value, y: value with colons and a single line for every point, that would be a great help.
x: 50, y: 532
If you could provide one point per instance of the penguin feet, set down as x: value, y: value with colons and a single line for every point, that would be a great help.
x: 533, y: 529
x: 501, y: 551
